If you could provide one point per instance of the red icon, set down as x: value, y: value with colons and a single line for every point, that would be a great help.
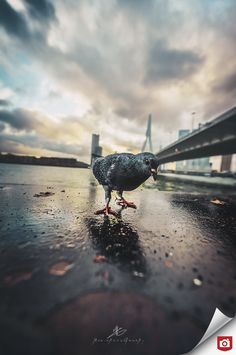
x: 224, y: 343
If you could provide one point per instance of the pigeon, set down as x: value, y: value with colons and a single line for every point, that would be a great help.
x: 123, y: 172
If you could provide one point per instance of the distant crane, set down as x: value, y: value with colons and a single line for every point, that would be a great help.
x: 148, y: 134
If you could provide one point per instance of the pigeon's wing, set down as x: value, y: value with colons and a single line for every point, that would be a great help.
x: 119, y: 169
x: 110, y: 169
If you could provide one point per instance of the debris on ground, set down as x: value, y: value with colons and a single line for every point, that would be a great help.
x: 138, y: 274
x: 217, y: 202
x: 168, y: 264
x: 197, y: 282
x: 44, y: 194
x: 55, y: 246
x: 99, y: 258
x: 60, y: 268
x: 17, y: 277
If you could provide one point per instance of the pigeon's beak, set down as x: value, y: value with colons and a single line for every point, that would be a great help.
x: 154, y: 174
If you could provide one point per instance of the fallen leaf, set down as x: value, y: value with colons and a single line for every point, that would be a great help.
x: 44, y: 194
x: 197, y: 282
x: 15, y: 278
x: 217, y: 202
x: 168, y: 264
x: 99, y: 258
x: 60, y: 268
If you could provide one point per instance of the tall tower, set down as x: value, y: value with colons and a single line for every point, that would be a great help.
x: 148, y: 134
x: 96, y: 150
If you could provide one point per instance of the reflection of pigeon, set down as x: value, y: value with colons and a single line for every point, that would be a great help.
x: 123, y: 172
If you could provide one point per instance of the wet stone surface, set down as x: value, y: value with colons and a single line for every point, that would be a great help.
x: 68, y: 276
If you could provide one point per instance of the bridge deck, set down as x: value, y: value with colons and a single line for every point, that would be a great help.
x: 217, y: 137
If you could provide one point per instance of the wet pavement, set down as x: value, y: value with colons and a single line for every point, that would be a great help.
x: 68, y: 277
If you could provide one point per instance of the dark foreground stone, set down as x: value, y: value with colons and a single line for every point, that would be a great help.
x: 86, y: 325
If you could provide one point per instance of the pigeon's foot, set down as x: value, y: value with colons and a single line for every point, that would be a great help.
x: 122, y: 202
x: 106, y: 211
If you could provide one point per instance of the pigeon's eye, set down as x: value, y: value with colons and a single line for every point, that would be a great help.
x: 146, y: 161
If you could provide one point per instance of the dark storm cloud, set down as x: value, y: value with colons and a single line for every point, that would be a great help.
x: 12, y: 21
x: 227, y: 85
x: 18, y: 119
x: 4, y: 102
x: 17, y: 25
x: 41, y: 10
x: 165, y: 64
x: 2, y: 126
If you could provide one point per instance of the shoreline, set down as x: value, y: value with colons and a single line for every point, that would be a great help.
x: 218, y: 182
x: 54, y: 166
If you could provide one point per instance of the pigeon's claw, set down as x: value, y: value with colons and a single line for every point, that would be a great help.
x: 122, y: 202
x: 106, y: 211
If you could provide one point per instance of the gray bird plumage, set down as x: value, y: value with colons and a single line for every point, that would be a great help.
x: 124, y: 172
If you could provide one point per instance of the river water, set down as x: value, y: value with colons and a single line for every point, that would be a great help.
x: 16, y: 174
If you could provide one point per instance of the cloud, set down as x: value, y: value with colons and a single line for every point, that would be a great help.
x: 12, y: 21
x: 30, y: 25
x: 227, y: 85
x: 41, y: 10
x: 38, y: 142
x: 170, y: 64
x: 19, y: 119
x: 71, y: 136
x: 35, y: 130
x: 4, y: 102
x: 2, y: 126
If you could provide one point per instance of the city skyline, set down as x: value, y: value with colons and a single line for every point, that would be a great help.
x: 70, y: 69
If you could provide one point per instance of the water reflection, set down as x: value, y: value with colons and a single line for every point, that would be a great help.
x: 92, y: 188
x: 119, y: 242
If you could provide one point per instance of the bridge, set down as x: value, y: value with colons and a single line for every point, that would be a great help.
x: 217, y: 137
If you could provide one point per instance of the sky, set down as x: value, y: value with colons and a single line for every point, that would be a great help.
x: 72, y: 68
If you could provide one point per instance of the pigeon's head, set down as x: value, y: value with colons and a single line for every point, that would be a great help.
x: 150, y: 164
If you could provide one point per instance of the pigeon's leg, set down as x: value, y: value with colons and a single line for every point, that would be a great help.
x: 122, y: 202
x: 107, y: 209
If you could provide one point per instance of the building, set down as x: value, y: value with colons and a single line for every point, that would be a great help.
x: 96, y: 149
x: 224, y: 163
x: 192, y: 165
